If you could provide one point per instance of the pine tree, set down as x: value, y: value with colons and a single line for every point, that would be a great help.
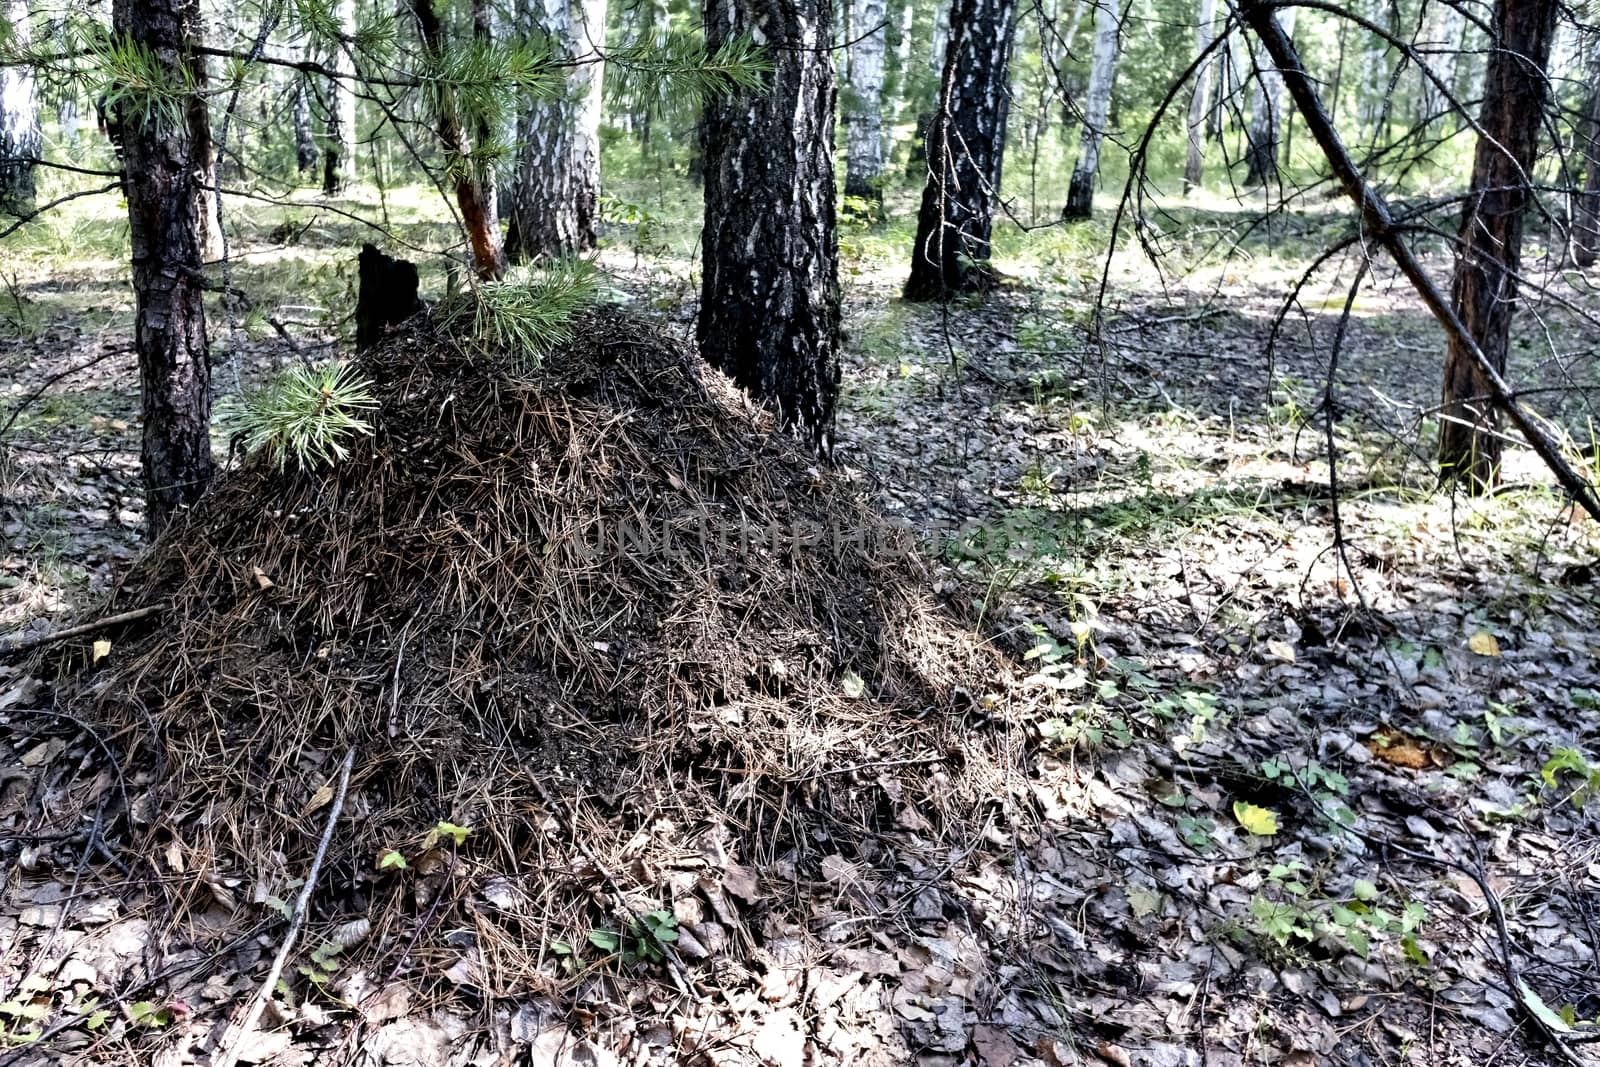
x: 1489, y: 250
x: 769, y: 305
x: 966, y: 149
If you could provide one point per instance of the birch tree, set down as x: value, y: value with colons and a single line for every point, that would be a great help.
x: 555, y: 195
x: 1096, y: 111
x: 1199, y: 99
x: 1267, y: 116
x: 769, y: 303
x: 339, y: 144
x: 20, y: 141
x: 863, y: 174
x: 965, y: 151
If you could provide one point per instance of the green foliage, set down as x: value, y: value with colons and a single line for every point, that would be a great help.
x: 1566, y: 764
x: 531, y: 312
x: 131, y: 79
x: 676, y: 75
x: 645, y: 940
x: 1291, y: 911
x: 309, y: 415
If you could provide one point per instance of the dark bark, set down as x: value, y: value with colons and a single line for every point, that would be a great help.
x: 1378, y: 226
x: 163, y: 161
x: 769, y: 307
x: 386, y: 295
x: 474, y: 195
x: 305, y: 143
x: 1489, y: 253
x: 966, y: 147
x: 339, y: 146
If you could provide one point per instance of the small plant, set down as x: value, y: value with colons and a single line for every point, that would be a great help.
x: 1289, y: 911
x: 1566, y: 764
x: 528, y: 314
x: 645, y: 940
x: 309, y: 415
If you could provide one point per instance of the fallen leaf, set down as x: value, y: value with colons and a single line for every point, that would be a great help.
x: 995, y: 1047
x: 1396, y: 748
x: 1262, y: 822
x: 1281, y: 650
x: 262, y: 581
x: 1483, y: 643
x: 318, y: 799
x: 102, y: 649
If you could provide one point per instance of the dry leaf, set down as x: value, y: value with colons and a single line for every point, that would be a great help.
x: 1281, y: 650
x: 318, y: 799
x: 262, y: 581
x: 1483, y: 643
x: 102, y: 649
x: 1396, y: 748
x: 174, y: 856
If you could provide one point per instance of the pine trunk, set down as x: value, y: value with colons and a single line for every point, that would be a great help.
x: 769, y: 306
x: 966, y: 148
x: 863, y: 173
x: 1489, y: 252
x: 20, y: 141
x: 339, y: 147
x: 162, y: 165
x: 305, y: 141
x: 1097, y: 110
x: 1267, y: 117
x: 1199, y: 100
x: 555, y: 196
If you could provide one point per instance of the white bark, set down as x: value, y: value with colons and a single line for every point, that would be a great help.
x: 864, y: 124
x: 20, y: 141
x: 1443, y: 43
x: 1199, y: 102
x: 1097, y: 108
x: 555, y: 196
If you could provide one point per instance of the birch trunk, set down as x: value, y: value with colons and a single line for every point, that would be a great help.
x: 20, y: 140
x: 1199, y: 102
x: 769, y: 304
x: 863, y: 174
x: 1266, y: 116
x: 555, y: 195
x: 339, y: 146
x: 966, y: 147
x: 1097, y: 110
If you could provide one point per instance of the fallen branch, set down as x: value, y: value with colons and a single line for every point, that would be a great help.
x: 11, y: 646
x: 229, y: 1047
x: 1378, y: 223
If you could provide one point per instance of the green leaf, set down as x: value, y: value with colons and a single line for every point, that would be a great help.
x: 1262, y: 822
x: 455, y: 833
x: 97, y: 1019
x: 1364, y: 890
x: 852, y: 684
x: 391, y: 859
x: 1541, y: 1011
x: 605, y: 940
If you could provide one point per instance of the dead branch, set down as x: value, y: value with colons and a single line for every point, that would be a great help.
x: 11, y: 646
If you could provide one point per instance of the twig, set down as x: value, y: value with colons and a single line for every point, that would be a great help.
x: 228, y: 1052
x: 11, y: 646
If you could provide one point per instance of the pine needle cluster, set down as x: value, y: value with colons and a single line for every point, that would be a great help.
x: 676, y: 74
x: 530, y: 312
x: 309, y: 415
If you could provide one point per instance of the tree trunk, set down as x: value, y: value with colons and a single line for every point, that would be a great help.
x: 1489, y: 253
x: 1097, y: 110
x: 1374, y: 87
x: 1586, y: 212
x: 1266, y: 117
x: 863, y: 173
x: 917, y: 158
x: 162, y: 165
x: 555, y: 196
x: 1439, y: 80
x: 305, y: 142
x: 769, y: 305
x: 1199, y: 102
x: 474, y: 191
x: 966, y: 147
x: 339, y: 146
x: 20, y: 140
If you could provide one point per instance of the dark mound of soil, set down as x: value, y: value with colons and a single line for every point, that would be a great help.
x: 601, y: 615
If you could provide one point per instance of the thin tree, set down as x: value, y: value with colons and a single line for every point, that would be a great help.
x: 165, y: 142
x: 1586, y: 210
x: 863, y: 172
x: 1489, y: 249
x: 1267, y: 118
x: 965, y: 151
x: 339, y: 144
x: 1199, y: 99
x: 554, y: 205
x: 1097, y: 110
x: 20, y: 140
x: 769, y: 305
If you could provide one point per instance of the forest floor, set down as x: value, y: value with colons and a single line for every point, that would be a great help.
x: 1316, y: 773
